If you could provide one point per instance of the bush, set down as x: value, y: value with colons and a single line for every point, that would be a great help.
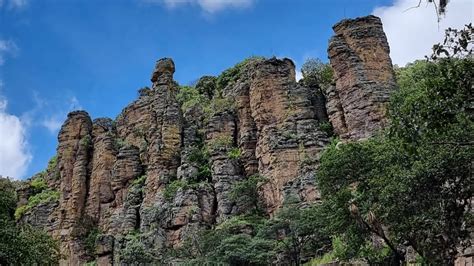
x: 86, y: 141
x: 234, y: 153
x: 327, y: 128
x: 45, y: 196
x: 246, y: 192
x: 90, y: 240
x: 22, y: 244
x: 135, y: 252
x: 231, y: 75
x: 172, y: 188
x: 38, y: 184
x: 221, y: 142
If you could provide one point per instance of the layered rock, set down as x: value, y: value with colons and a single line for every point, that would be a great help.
x: 74, y: 153
x: 165, y: 172
x: 364, y: 77
x: 154, y: 123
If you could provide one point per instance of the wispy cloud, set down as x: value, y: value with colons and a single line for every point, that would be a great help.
x: 53, y: 121
x: 50, y: 114
x: 13, y: 4
x: 7, y: 47
x: 411, y: 32
x: 209, y: 6
x: 14, y: 148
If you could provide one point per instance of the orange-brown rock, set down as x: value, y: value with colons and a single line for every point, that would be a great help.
x: 359, y: 56
x: 74, y: 153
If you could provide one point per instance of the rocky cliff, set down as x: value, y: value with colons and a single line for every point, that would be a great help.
x: 166, y: 166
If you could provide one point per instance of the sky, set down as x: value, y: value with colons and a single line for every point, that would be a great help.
x: 62, y: 55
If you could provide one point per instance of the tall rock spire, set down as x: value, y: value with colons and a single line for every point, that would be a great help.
x: 359, y: 56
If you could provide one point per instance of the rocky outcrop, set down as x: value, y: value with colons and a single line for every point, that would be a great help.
x: 166, y: 169
x: 74, y: 153
x: 364, y: 77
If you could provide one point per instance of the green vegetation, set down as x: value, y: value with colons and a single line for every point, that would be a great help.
x: 135, y: 252
x: 231, y: 75
x: 317, y: 74
x: 86, y: 141
x: 415, y: 179
x: 200, y: 157
x: 407, y: 186
x: 327, y: 128
x: 246, y: 193
x: 52, y: 163
x: 22, y: 244
x: 38, y: 184
x: 44, y: 196
x: 91, y: 239
x: 234, y: 153
x: 221, y: 142
x: 190, y: 98
x: 139, y: 181
x: 172, y: 188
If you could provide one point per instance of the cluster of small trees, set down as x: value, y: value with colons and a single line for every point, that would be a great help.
x: 20, y: 244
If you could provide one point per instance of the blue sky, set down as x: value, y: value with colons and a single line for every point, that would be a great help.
x: 60, y: 55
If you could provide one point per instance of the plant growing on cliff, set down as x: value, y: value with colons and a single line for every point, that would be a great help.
x: 423, y: 195
x: 246, y: 193
x: 231, y: 75
x: 172, y: 188
x: 38, y: 184
x: 21, y: 244
x: 317, y: 74
x: 44, y: 196
x: 234, y: 153
x: 135, y: 252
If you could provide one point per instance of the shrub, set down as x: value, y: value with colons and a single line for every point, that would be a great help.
x: 172, y: 188
x: 326, y: 127
x: 38, y: 184
x: 220, y: 142
x: 45, y: 196
x: 86, y: 141
x: 90, y: 240
x: 234, y: 153
x: 135, y: 252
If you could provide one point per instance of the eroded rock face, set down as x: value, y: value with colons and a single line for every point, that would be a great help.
x: 359, y: 56
x: 287, y: 127
x: 74, y: 154
x: 165, y: 171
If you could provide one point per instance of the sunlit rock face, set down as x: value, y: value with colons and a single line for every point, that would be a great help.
x: 140, y: 173
x: 364, y: 77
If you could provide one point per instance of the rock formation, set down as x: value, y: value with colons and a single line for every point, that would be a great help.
x: 364, y: 77
x: 166, y: 169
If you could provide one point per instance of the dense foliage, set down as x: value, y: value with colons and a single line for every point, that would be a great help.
x: 410, y: 186
x: 22, y: 244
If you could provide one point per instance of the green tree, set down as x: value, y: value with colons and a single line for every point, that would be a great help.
x: 317, y: 74
x: 410, y: 186
x: 22, y: 244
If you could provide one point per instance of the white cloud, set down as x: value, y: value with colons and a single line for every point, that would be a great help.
x: 18, y: 3
x: 7, y: 47
x: 14, y: 4
x: 209, y: 6
x: 411, y: 33
x: 299, y: 75
x: 14, y: 152
x: 54, y: 119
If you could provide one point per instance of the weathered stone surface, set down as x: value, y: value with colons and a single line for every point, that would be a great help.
x: 154, y: 124
x: 116, y: 175
x: 74, y: 154
x: 287, y: 126
x: 103, y: 159
x: 359, y: 56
